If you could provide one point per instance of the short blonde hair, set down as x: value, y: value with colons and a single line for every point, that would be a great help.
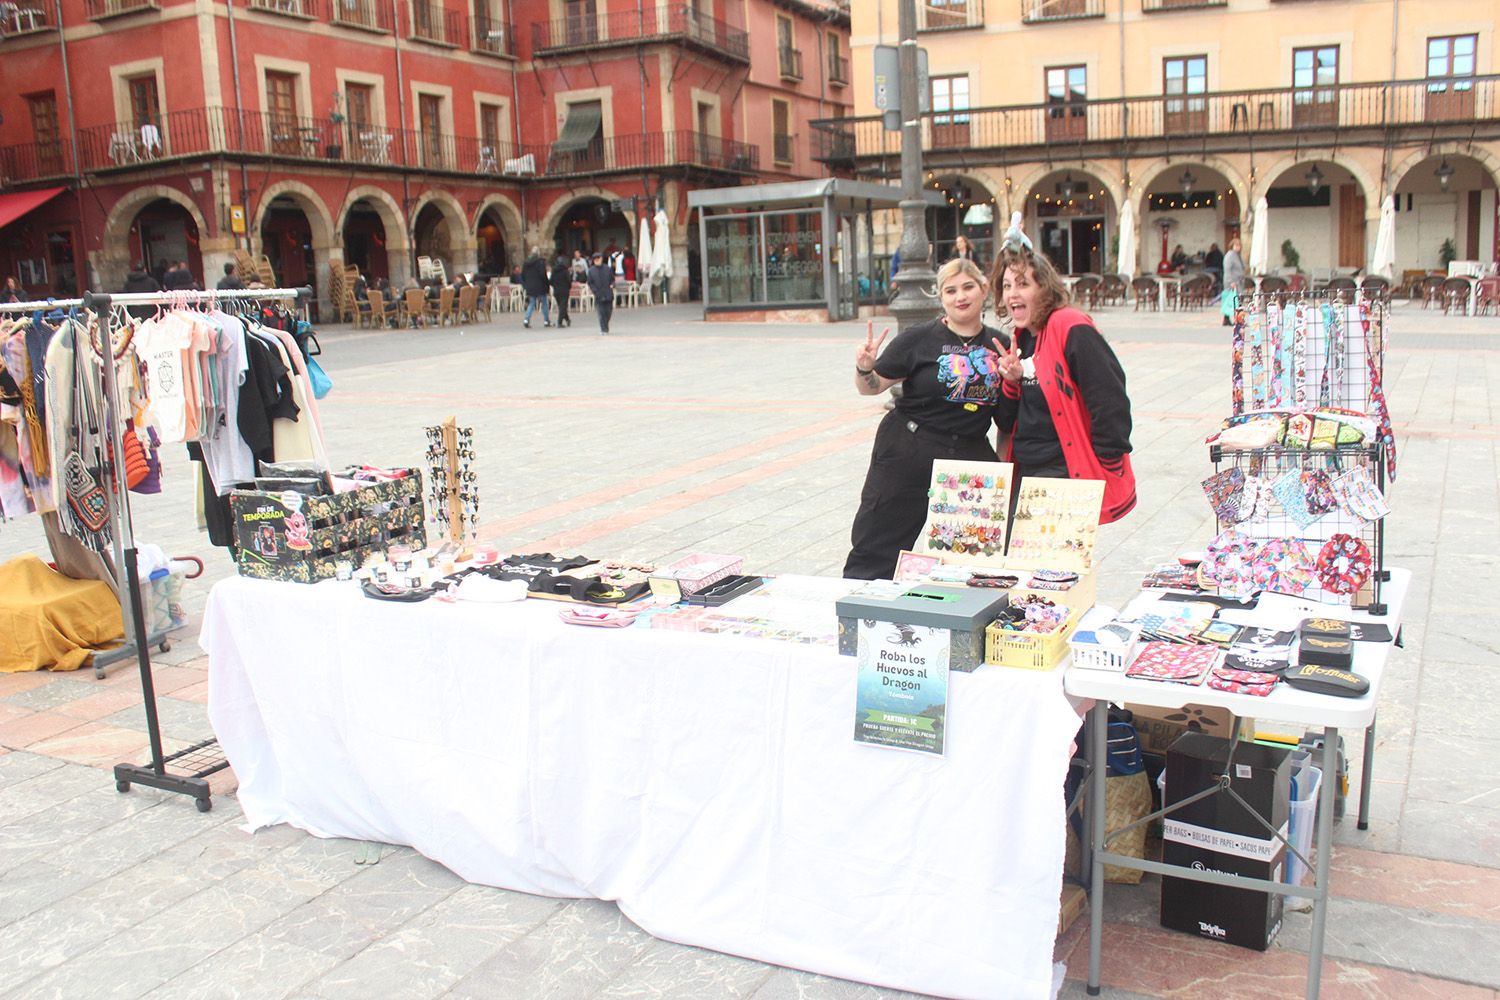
x: 1054, y: 292
x: 959, y: 265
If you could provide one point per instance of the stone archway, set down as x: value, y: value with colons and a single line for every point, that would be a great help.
x: 968, y: 200
x: 1070, y: 215
x: 544, y: 233
x: 324, y: 249
x: 111, y: 262
x: 1195, y: 204
x: 396, y: 247
x: 1445, y: 201
x: 497, y: 231
x: 438, y: 224
x: 1322, y: 207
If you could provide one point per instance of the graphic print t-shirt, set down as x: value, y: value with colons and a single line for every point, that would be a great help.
x: 950, y: 384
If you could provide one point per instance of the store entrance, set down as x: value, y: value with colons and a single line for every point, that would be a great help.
x: 1075, y: 245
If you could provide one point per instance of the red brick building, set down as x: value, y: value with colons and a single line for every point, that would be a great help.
x: 323, y: 132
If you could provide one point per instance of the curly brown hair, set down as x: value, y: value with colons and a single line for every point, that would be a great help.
x: 1054, y: 292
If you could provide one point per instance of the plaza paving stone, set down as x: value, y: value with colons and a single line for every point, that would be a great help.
x: 673, y: 435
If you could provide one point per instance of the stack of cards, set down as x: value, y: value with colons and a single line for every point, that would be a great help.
x: 1171, y: 661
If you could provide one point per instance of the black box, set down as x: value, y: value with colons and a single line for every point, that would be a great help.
x: 1217, y: 834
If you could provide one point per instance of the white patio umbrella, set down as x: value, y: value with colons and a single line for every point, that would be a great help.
x: 1384, y: 261
x: 1260, y: 238
x: 643, y: 254
x: 1127, y: 256
x: 661, y: 262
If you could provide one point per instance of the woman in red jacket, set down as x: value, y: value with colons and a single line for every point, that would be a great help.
x: 1063, y: 398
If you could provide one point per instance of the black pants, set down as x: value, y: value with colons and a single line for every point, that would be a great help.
x: 606, y: 309
x: 893, y: 504
x: 562, y: 310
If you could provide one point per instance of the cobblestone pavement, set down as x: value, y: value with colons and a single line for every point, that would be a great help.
x: 672, y: 435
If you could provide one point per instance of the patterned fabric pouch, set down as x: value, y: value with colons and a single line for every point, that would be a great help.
x: 1292, y: 496
x: 1224, y: 490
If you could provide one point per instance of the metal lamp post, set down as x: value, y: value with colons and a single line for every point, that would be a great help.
x: 915, y: 301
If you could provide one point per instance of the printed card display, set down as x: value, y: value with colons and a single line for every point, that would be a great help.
x: 902, y: 693
x: 1057, y: 521
x: 968, y: 510
x: 1169, y: 661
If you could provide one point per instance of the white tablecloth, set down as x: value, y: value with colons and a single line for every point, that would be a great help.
x: 709, y: 784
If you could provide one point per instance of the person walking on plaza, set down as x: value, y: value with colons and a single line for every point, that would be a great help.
x: 231, y: 281
x: 601, y: 283
x: 562, y: 287
x: 1063, y: 399
x: 950, y: 374
x: 1234, y: 276
x: 536, y: 282
x: 580, y: 265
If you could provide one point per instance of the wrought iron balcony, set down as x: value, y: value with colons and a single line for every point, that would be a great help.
x: 435, y: 24
x: 34, y: 161
x: 790, y: 61
x: 838, y: 68
x: 486, y: 34
x: 649, y: 150
x: 1153, y: 6
x: 1033, y: 11
x: 948, y: 15
x: 369, y: 15
x: 98, y: 10
x: 1224, y: 120
x: 677, y: 23
x: 291, y: 8
x: 27, y: 19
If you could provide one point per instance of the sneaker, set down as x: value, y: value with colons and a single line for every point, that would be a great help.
x: 546, y: 322
x: 526, y: 323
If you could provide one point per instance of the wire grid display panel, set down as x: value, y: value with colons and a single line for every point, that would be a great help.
x: 1303, y: 350
x: 1273, y: 522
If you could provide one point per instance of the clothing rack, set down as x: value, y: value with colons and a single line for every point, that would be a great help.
x: 191, y: 765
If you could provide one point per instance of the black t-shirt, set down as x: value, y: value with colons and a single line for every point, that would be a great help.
x: 949, y: 383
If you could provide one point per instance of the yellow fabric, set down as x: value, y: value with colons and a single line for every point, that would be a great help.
x: 48, y: 621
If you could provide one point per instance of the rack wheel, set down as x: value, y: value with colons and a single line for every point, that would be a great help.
x: 204, y: 805
x: 122, y: 786
x: 165, y: 647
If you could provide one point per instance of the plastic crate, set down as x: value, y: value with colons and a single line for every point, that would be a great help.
x: 1028, y: 650
x: 1091, y: 655
x: 698, y: 570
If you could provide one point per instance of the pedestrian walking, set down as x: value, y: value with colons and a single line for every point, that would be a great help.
x: 538, y: 286
x: 601, y: 283
x: 562, y: 287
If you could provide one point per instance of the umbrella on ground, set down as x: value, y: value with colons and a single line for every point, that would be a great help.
x: 661, y: 262
x: 1127, y: 256
x: 1260, y: 238
x: 643, y: 253
x: 1384, y: 261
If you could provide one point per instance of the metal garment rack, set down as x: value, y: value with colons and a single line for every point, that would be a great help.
x: 126, y: 649
x: 184, y: 771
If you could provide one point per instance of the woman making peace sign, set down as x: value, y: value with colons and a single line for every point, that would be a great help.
x: 950, y: 378
x: 1063, y: 400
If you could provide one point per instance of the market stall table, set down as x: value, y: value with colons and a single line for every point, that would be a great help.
x: 710, y: 784
x: 1285, y: 704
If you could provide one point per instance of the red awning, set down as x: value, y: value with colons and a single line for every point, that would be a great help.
x: 13, y: 206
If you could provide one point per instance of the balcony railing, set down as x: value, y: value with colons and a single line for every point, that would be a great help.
x: 490, y: 36
x: 1288, y: 112
x: 225, y: 131
x: 32, y: 161
x: 790, y: 61
x: 98, y: 10
x: 370, y: 15
x: 648, y: 150
x: 1060, y: 10
x: 653, y: 22
x: 291, y: 8
x: 435, y: 24
x: 1152, y: 6
x: 23, y: 20
x: 946, y: 15
x: 838, y: 68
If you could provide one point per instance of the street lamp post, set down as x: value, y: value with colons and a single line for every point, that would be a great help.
x: 915, y: 301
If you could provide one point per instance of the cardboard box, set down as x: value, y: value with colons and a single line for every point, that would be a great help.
x: 1074, y: 902
x: 1159, y: 728
x: 298, y: 538
x: 1218, y: 834
x: 964, y: 611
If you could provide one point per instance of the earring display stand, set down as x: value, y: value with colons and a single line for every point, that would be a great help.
x: 184, y: 771
x: 453, y: 488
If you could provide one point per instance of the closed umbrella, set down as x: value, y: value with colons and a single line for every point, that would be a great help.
x: 1127, y: 256
x: 1384, y: 261
x: 1260, y: 238
x: 661, y: 262
x: 643, y: 254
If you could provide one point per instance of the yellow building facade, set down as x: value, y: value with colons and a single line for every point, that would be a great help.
x: 1187, y: 114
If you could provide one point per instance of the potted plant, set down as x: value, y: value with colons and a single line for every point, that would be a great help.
x: 1448, y: 253
x: 1290, y: 258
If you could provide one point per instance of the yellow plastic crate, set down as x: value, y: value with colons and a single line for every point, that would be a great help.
x: 1028, y: 650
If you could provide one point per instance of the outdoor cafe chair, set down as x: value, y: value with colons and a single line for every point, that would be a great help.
x: 1112, y: 290
x: 1147, y: 292
x: 1487, y: 296
x: 1432, y: 290
x: 1273, y: 283
x: 414, y: 306
x: 440, y: 309
x: 1456, y: 295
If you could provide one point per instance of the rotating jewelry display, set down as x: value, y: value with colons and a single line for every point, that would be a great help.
x: 453, y: 487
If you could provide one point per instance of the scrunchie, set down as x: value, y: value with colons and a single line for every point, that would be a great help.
x: 1343, y: 564
x: 1228, y: 562
x: 1283, y: 565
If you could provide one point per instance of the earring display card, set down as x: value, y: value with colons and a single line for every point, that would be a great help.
x: 968, y: 508
x: 1057, y: 523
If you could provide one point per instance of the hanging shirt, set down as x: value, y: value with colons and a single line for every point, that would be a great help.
x: 162, y: 345
x: 225, y: 453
